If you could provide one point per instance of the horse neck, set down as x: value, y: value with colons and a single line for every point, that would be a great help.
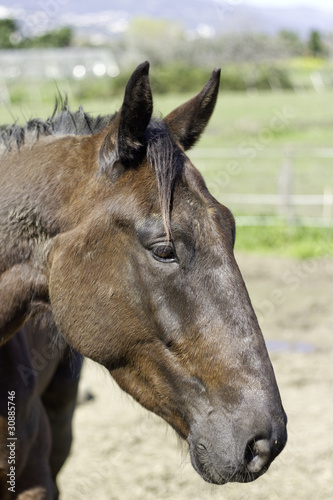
x: 44, y: 191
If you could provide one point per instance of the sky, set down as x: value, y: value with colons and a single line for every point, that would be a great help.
x: 324, y: 4
x: 318, y: 4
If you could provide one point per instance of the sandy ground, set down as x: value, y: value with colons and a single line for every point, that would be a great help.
x: 122, y: 452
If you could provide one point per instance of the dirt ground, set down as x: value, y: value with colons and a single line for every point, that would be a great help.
x: 122, y: 452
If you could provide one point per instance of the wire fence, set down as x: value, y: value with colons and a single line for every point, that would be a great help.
x: 297, y: 188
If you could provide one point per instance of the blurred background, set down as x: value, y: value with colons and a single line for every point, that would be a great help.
x: 267, y: 154
x: 274, y: 109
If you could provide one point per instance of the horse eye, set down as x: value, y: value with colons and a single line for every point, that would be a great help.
x: 164, y: 252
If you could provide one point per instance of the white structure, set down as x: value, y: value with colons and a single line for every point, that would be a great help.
x: 57, y: 63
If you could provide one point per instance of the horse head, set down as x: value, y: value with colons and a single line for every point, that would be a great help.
x: 145, y: 282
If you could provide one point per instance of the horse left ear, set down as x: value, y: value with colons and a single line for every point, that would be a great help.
x: 125, y: 137
x: 188, y: 121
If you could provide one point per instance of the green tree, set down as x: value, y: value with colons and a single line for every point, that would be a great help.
x: 56, y: 38
x: 292, y: 42
x: 315, y: 44
x: 155, y: 39
x: 7, y: 29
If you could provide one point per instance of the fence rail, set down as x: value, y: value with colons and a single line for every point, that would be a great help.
x: 283, y: 199
x: 233, y: 153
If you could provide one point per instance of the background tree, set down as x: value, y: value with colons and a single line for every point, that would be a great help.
x: 7, y: 29
x: 315, y: 44
x: 56, y: 38
x: 293, y: 43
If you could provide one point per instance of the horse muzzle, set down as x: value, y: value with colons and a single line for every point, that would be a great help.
x: 220, y: 460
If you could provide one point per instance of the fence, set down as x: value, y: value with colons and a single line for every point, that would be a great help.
x: 284, y: 206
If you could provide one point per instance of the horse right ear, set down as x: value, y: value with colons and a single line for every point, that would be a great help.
x: 124, y: 140
x: 188, y: 121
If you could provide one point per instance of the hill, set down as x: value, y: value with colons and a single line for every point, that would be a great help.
x: 205, y: 17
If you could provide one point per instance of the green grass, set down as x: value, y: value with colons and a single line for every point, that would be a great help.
x: 258, y: 128
x: 303, y: 118
x: 297, y: 242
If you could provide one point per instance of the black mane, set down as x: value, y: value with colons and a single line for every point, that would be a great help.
x: 62, y: 121
x: 162, y: 153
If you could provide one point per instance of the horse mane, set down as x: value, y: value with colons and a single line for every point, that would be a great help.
x: 163, y: 155
x: 62, y: 122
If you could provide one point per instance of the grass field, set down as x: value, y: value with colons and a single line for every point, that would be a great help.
x: 255, y: 131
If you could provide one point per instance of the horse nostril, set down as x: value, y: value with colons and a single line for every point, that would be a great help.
x: 257, y: 455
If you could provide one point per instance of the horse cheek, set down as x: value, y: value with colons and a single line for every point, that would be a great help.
x: 72, y: 297
x: 88, y: 306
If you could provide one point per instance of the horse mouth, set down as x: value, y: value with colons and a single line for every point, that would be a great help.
x: 208, y: 472
x: 205, y: 463
x: 217, y: 469
x: 205, y: 466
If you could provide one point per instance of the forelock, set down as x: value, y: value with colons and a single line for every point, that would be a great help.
x: 168, y: 162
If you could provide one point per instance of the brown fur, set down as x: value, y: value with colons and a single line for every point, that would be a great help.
x: 111, y: 232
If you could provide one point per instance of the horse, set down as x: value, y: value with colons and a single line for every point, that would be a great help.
x: 113, y: 248
x: 39, y: 383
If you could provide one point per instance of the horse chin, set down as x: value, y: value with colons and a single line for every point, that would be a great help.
x: 206, y: 469
x: 210, y: 476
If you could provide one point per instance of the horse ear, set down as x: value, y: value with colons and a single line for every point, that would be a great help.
x: 125, y: 137
x: 188, y: 121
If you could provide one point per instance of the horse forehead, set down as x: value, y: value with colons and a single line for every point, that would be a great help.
x: 195, y: 204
